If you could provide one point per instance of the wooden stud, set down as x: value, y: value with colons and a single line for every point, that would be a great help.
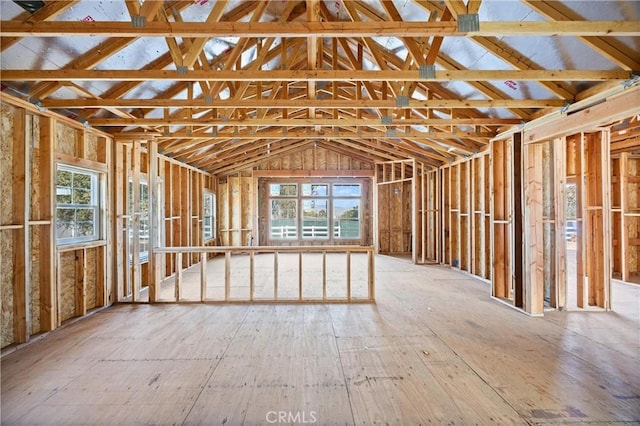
x: 154, y: 273
x: 21, y: 251
x: 275, y: 275
x: 559, y: 184
x: 227, y: 276
x: 203, y: 276
x: 136, y: 273
x: 106, y: 258
x: 300, y: 276
x: 414, y: 210
x: 581, y: 221
x: 625, y: 253
x: 424, y: 235
x: 324, y: 275
x: 252, y: 288
x: 80, y: 282
x: 178, y: 280
x: 101, y: 278
x: 533, y: 269
x: 58, y: 291
x: 48, y: 294
x: 371, y: 275
x: 348, y: 275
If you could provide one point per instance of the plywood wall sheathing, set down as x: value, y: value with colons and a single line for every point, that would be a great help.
x: 66, y: 140
x: 631, y: 211
x: 7, y: 114
x: 618, y: 164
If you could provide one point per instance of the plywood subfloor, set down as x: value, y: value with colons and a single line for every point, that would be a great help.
x: 434, y: 349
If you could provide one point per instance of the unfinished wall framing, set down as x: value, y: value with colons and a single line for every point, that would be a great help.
x: 625, y: 217
x: 465, y: 215
x: 45, y: 283
x: 160, y: 201
x: 396, y: 205
x: 241, y: 221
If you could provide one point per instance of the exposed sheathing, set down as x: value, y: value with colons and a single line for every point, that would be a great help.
x: 632, y: 223
x: 92, y: 273
x: 314, y: 158
x: 6, y: 160
x: 321, y: 159
x: 384, y: 236
x: 247, y: 210
x: 235, y: 213
x: 34, y: 276
x: 235, y: 209
x: 6, y: 282
x: 407, y: 208
x: 92, y: 147
x: 223, y: 212
x: 33, y: 138
x: 66, y: 143
x: 394, y: 217
x: 67, y: 285
x: 6, y: 209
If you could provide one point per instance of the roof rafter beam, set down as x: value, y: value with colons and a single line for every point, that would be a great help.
x: 298, y: 122
x: 317, y: 29
x: 298, y: 103
x: 306, y: 75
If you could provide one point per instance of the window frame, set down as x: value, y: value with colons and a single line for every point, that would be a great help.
x: 335, y: 221
x: 96, y: 204
x: 213, y: 236
x: 326, y: 195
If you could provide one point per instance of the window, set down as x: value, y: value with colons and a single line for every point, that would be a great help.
x: 315, y: 211
x: 143, y: 235
x: 208, y: 221
x: 77, y: 205
x: 346, y: 211
x: 284, y: 210
x: 315, y: 218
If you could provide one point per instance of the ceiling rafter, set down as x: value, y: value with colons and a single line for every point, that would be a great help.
x: 300, y: 74
x: 568, y: 28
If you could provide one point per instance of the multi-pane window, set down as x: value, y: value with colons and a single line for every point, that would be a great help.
x: 315, y: 211
x: 77, y: 205
x: 346, y: 211
x: 284, y: 211
x: 143, y: 214
x: 209, y: 214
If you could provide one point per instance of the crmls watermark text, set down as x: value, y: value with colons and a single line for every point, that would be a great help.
x: 301, y: 417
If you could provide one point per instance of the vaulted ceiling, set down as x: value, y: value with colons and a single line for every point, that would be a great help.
x: 222, y: 84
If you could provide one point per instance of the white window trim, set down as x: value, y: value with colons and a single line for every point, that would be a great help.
x: 213, y: 217
x: 96, y: 204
